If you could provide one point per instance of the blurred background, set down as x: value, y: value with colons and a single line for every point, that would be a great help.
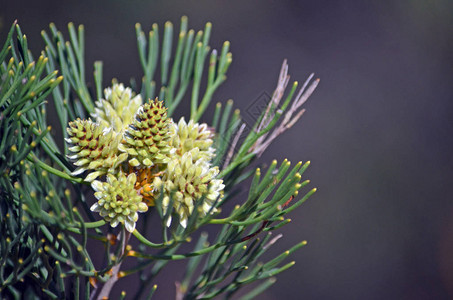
x: 378, y: 129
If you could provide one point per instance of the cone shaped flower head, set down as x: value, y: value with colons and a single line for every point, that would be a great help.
x: 146, y: 141
x: 94, y: 147
x: 187, y: 136
x: 118, y: 108
x: 118, y: 201
x: 188, y: 181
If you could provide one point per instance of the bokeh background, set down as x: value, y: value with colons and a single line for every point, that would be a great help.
x: 378, y: 130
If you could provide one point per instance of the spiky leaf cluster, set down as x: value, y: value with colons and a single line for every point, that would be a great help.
x: 147, y: 138
x: 118, y: 201
x: 95, y: 148
x: 187, y: 136
x: 118, y: 108
x: 187, y: 180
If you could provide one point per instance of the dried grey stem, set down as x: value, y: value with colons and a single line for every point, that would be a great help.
x: 273, y: 241
x: 233, y: 145
x: 107, y: 287
x: 291, y: 116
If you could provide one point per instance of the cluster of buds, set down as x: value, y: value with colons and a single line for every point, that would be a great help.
x: 137, y: 154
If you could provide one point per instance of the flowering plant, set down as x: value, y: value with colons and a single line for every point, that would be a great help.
x: 131, y: 163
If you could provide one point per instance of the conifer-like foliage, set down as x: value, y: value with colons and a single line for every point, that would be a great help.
x: 126, y: 163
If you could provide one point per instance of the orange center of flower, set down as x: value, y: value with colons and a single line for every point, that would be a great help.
x: 144, y: 183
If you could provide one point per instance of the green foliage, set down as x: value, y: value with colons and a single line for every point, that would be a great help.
x: 45, y: 220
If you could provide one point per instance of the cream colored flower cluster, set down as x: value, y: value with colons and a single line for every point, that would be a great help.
x: 143, y: 156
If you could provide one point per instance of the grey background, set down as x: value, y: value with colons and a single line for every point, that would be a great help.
x: 377, y: 130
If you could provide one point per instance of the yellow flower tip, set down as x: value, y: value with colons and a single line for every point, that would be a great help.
x: 67, y: 192
x: 230, y: 102
x: 49, y: 128
x: 121, y: 274
x: 237, y: 111
x: 131, y: 253
x: 246, y: 267
x: 314, y: 190
x: 19, y: 113
x: 81, y: 27
x: 188, y: 239
x: 74, y: 209
x: 14, y: 148
x: 218, y: 105
x: 33, y: 144
x: 59, y: 236
x: 308, y: 163
x: 79, y: 248
x: 16, y: 185
x: 226, y: 43
x: 46, y: 248
x: 155, y: 286
x: 137, y: 25
x: 20, y: 261
x: 237, y: 206
x: 44, y: 173
x: 123, y: 293
x: 93, y: 281
x: 258, y: 172
x: 304, y: 243
x: 289, y: 220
